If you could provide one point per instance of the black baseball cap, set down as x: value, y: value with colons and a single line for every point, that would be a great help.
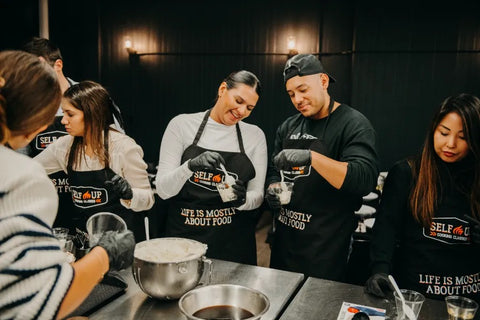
x: 303, y: 65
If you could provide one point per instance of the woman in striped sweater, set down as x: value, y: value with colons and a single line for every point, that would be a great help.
x: 36, y: 281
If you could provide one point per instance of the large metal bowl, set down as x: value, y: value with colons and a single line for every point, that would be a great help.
x: 224, y: 301
x: 166, y: 268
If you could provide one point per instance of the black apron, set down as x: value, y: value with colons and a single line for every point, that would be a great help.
x: 440, y: 260
x: 313, y: 232
x: 90, y: 195
x: 65, y: 214
x: 199, y: 213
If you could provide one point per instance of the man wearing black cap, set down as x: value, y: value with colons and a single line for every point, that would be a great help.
x: 328, y: 151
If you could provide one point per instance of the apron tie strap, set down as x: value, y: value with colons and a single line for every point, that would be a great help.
x: 204, y: 123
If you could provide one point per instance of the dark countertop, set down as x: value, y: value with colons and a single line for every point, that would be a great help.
x: 277, y: 285
x: 322, y: 299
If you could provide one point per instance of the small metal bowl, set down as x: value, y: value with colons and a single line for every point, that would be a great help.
x: 224, y: 301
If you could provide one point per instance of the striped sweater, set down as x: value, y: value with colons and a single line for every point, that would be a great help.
x: 34, y: 273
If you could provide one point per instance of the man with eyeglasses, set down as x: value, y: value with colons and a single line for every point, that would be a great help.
x: 329, y: 151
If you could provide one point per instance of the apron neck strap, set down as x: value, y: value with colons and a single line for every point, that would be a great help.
x: 202, y: 126
x: 240, y: 139
x: 106, y: 147
x: 204, y: 123
x: 330, y: 105
x: 330, y: 108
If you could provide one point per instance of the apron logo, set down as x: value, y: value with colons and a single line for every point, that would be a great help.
x: 448, y: 230
x: 304, y: 136
x: 86, y: 197
x: 209, y: 180
x: 297, y: 172
x: 45, y: 139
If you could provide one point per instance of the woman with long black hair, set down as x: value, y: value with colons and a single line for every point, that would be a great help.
x: 428, y: 207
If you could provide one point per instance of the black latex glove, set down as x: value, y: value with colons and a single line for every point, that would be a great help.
x: 474, y: 229
x: 121, y: 187
x: 379, y: 285
x: 241, y: 193
x: 120, y: 247
x: 273, y: 200
x: 206, y: 160
x: 288, y: 158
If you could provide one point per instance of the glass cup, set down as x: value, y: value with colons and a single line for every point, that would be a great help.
x: 413, y: 300
x: 66, y: 241
x: 60, y: 233
x: 101, y: 222
x: 68, y: 245
x: 283, y: 190
x: 226, y: 192
x: 69, y: 248
x: 460, y: 308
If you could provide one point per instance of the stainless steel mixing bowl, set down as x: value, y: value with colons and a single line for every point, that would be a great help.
x: 235, y: 297
x: 169, y: 280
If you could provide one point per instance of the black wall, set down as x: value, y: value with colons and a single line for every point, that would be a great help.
x: 394, y: 64
x: 18, y: 21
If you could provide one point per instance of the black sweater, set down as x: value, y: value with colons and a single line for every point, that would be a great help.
x: 347, y: 136
x: 443, y: 251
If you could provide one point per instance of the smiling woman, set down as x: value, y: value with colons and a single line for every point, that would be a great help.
x: 193, y: 149
x: 234, y: 103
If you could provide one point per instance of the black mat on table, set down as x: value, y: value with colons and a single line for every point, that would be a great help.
x: 111, y: 287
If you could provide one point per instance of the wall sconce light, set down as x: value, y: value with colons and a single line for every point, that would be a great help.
x: 129, y: 46
x: 291, y: 46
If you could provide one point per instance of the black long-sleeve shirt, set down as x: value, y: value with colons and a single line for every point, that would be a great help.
x: 436, y: 260
x: 347, y: 136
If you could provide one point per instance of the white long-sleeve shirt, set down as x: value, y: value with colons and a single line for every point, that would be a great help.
x: 34, y: 272
x: 180, y: 133
x: 126, y: 160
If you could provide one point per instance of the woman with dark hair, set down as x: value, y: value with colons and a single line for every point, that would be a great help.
x: 36, y: 279
x: 428, y: 209
x: 105, y: 168
x: 193, y: 149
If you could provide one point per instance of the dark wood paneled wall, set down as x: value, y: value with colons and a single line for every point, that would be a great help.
x: 18, y: 21
x: 394, y: 64
x: 201, y: 44
x: 408, y: 59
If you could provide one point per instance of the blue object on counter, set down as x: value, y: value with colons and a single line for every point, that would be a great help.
x: 370, y: 311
